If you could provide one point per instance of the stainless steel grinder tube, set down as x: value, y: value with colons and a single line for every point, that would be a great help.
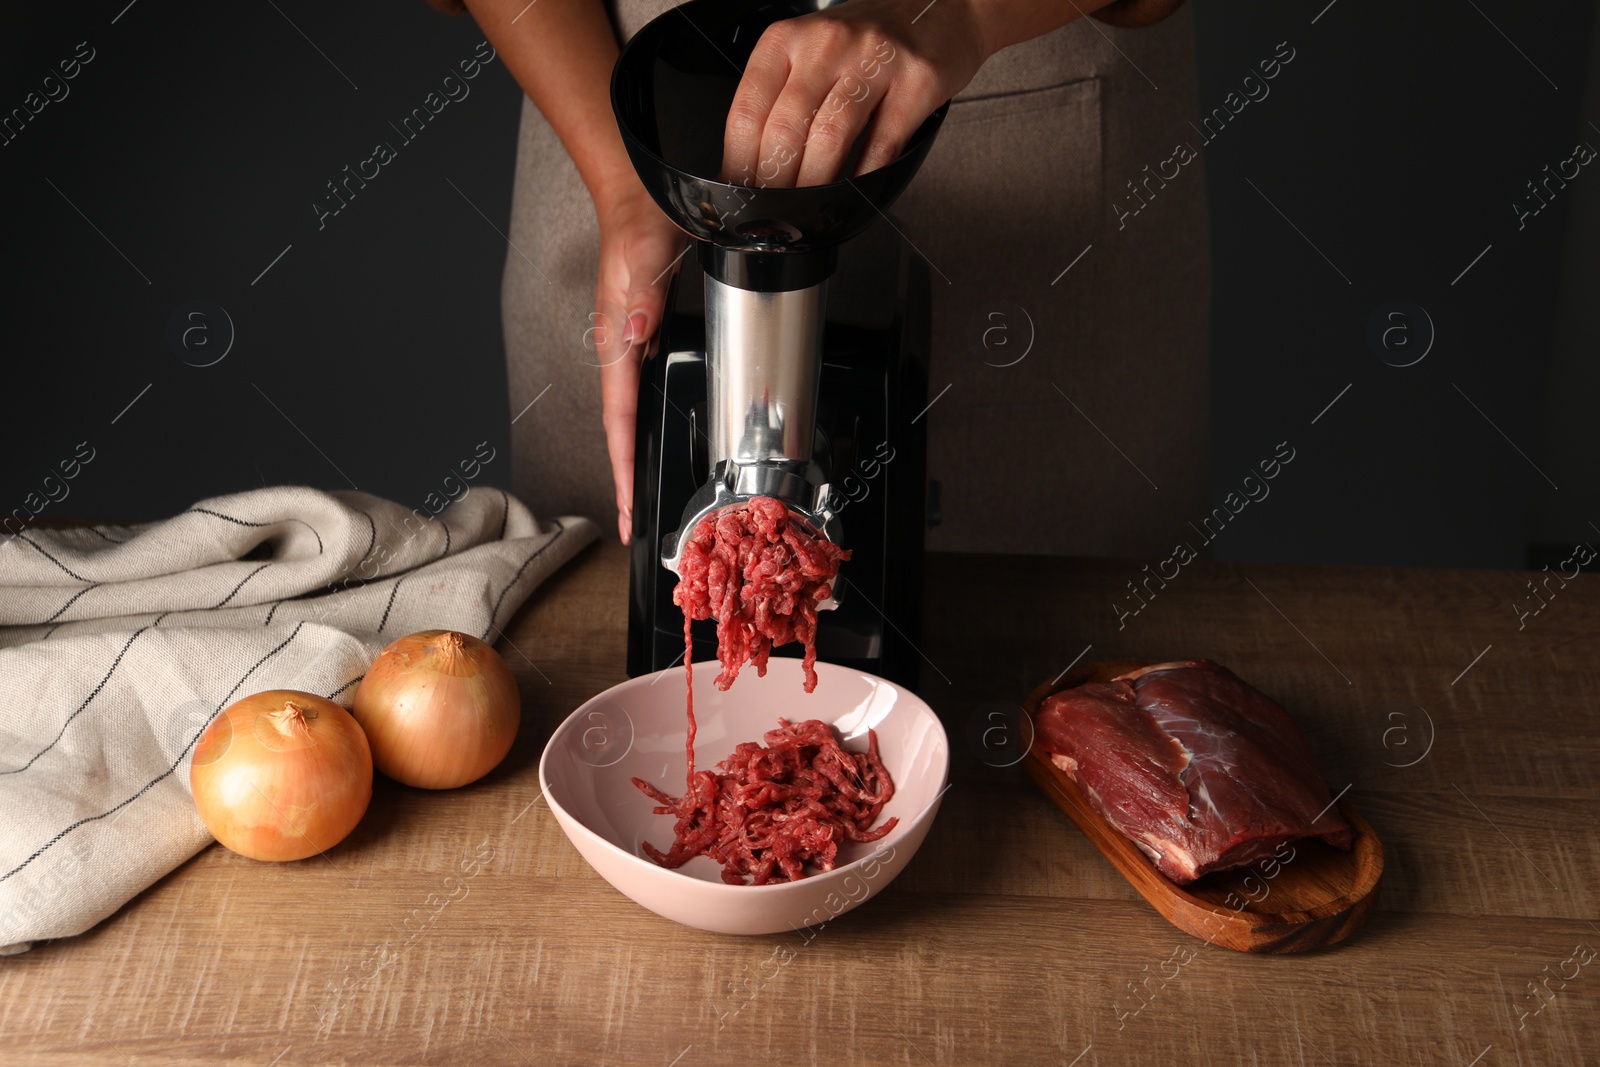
x: 763, y: 361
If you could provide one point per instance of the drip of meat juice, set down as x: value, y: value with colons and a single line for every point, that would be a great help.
x: 688, y: 677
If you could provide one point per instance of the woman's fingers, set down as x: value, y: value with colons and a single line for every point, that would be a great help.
x: 639, y: 253
x: 800, y: 104
x: 913, y: 95
x: 784, y: 139
x: 814, y: 83
x: 844, y: 113
x: 764, y: 78
x: 811, y: 86
x: 619, y: 375
x: 619, y: 399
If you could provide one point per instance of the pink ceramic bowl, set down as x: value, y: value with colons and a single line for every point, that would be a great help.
x: 637, y: 729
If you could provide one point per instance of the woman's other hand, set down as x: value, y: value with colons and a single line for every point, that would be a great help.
x: 814, y: 83
x: 639, y: 251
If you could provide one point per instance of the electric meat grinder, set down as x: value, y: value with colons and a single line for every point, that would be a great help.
x: 758, y: 391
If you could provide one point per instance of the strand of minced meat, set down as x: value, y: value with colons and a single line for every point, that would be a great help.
x: 772, y: 809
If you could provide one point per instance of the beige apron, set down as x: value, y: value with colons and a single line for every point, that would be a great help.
x: 1075, y: 418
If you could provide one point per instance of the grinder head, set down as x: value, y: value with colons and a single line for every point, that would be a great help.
x: 733, y: 485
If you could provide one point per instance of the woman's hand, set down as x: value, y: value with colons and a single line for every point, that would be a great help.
x: 639, y: 251
x: 814, y: 83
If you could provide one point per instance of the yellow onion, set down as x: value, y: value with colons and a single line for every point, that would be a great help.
x: 440, y: 709
x: 282, y: 775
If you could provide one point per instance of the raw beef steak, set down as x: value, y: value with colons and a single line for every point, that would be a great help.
x: 1198, y: 769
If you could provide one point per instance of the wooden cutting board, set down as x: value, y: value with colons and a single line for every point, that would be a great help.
x: 1306, y: 896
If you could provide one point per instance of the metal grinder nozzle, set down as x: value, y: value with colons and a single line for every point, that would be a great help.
x: 733, y: 485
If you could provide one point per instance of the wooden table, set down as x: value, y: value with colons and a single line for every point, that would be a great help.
x: 462, y: 927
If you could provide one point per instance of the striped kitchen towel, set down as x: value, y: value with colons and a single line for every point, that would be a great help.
x: 119, y: 644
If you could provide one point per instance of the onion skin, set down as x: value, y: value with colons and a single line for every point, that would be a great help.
x: 282, y: 775
x: 440, y: 709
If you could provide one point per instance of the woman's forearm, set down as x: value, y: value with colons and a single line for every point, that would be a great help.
x: 561, y: 52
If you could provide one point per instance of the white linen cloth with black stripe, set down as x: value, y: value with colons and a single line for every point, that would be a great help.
x: 119, y: 644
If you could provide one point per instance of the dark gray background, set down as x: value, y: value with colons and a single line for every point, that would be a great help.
x: 199, y: 136
x: 1397, y: 146
x: 197, y: 141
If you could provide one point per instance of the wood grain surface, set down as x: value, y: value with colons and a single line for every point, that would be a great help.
x: 462, y: 927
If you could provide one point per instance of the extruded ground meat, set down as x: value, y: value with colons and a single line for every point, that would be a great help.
x: 760, y: 575
x: 770, y: 810
x: 1197, y: 768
